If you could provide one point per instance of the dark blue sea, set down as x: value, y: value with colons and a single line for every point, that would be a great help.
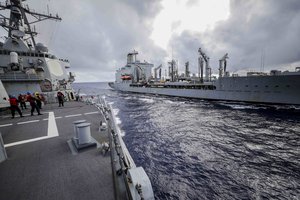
x: 196, y: 149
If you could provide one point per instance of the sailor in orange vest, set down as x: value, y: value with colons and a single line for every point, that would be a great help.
x: 31, y: 100
x: 21, y: 99
x: 14, y: 106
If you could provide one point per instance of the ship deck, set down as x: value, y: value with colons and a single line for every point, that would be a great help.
x: 41, y: 164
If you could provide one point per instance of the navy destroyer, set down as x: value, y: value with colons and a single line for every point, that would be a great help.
x: 26, y: 65
x: 276, y: 87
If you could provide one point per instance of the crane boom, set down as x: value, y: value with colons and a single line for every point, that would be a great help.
x: 155, y: 70
x: 223, y: 65
x: 205, y: 57
x: 207, y: 67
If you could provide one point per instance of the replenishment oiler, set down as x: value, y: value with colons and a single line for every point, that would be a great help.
x: 70, y: 152
x: 276, y: 87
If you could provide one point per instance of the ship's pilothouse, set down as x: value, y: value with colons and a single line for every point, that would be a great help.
x: 134, y: 71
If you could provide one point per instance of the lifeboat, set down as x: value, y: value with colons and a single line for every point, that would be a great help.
x: 126, y: 77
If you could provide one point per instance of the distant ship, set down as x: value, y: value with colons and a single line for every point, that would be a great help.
x: 27, y: 66
x: 276, y: 87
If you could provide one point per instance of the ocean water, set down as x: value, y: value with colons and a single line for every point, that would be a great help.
x: 196, y: 149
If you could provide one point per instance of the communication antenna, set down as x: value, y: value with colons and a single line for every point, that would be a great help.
x: 172, y: 51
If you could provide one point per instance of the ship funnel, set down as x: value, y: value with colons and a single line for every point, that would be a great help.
x: 131, y: 57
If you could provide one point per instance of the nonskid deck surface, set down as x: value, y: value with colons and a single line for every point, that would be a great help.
x: 41, y: 165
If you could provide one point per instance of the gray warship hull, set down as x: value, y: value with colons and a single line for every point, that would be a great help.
x: 277, y: 89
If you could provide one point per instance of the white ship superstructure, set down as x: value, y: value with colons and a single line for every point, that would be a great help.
x: 27, y: 66
x: 275, y: 87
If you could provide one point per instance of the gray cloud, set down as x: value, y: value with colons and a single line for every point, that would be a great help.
x: 96, y: 35
x: 192, y: 2
x: 253, y: 27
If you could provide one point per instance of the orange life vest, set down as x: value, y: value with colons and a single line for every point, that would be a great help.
x: 13, y: 101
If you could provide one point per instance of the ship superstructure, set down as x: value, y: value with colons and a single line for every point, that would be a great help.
x: 27, y: 66
x: 276, y: 87
x: 134, y: 71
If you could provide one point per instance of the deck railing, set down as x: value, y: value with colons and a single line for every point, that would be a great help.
x: 136, y: 182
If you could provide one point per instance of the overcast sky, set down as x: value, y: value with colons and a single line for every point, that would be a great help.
x: 96, y: 35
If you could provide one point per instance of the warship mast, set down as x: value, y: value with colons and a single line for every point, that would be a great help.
x: 18, y: 24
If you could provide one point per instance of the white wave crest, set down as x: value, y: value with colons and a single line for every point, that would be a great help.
x: 116, y: 111
x: 147, y: 100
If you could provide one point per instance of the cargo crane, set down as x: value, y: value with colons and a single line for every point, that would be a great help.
x: 222, y: 65
x: 173, y: 71
x: 200, y: 69
x: 159, y: 73
x: 207, y: 67
x: 139, y: 74
x: 187, y: 70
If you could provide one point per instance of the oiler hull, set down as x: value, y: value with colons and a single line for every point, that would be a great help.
x: 257, y: 89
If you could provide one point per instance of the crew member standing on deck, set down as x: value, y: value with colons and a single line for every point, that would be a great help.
x: 60, y: 97
x: 21, y: 100
x: 14, y: 106
x: 31, y: 100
